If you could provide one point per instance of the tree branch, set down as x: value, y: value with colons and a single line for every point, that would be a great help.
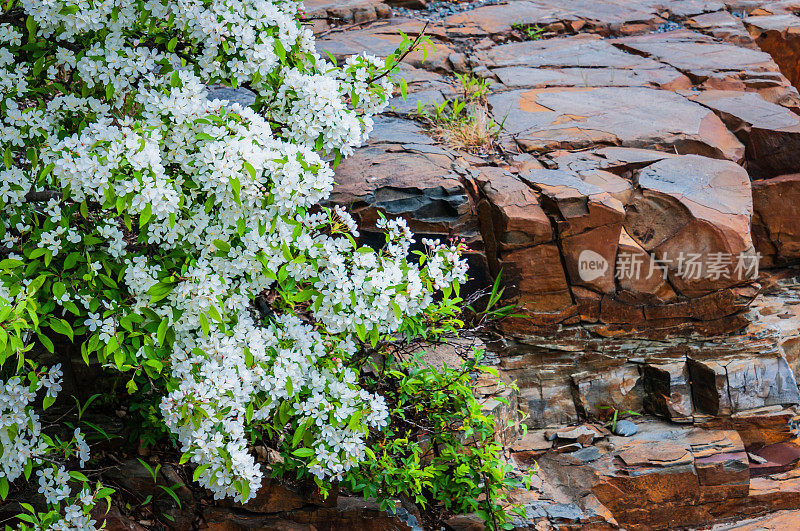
x: 42, y: 197
x: 403, y: 55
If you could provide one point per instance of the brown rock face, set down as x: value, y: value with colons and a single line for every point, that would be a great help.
x: 694, y: 213
x: 589, y: 220
x: 714, y: 65
x: 776, y: 225
x: 779, y: 36
x: 770, y: 132
x: 537, y: 277
x: 562, y: 118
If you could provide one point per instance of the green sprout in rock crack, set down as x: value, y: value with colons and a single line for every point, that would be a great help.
x: 617, y: 416
x: 463, y: 123
x: 529, y: 32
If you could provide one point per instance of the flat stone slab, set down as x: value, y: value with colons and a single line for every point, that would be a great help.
x: 771, y: 132
x: 546, y: 119
x: 724, y: 26
x: 716, y: 65
x: 582, y: 50
x: 698, y: 55
x: 581, y: 60
x: 605, y: 16
x: 527, y: 77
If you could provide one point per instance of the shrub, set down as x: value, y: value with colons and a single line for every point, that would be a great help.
x: 178, y: 240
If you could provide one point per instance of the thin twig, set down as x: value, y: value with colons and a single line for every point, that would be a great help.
x: 403, y: 55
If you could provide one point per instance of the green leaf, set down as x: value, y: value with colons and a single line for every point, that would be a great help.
x: 280, y: 51
x: 44, y: 340
x: 161, y: 334
x: 222, y: 245
x: 250, y: 169
x: 298, y: 434
x: 145, y: 215
x: 172, y: 44
x: 361, y: 331
x: 172, y: 494
x: 60, y: 326
x: 78, y: 476
x: 199, y: 470
x: 236, y: 187
x: 204, y: 324
x: 4, y: 488
x: 303, y: 452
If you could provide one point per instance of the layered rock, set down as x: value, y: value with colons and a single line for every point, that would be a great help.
x: 579, y: 61
x: 662, y: 477
x: 770, y: 132
x: 712, y: 64
x: 775, y: 224
x: 547, y: 119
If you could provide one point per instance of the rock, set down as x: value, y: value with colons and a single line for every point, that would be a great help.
x: 409, y: 181
x: 777, y: 458
x: 774, y: 521
x: 511, y: 216
x: 114, y: 519
x: 577, y: 433
x: 776, y: 223
x: 604, y: 16
x: 585, y: 455
x: 638, y: 275
x: 547, y: 119
x: 725, y: 387
x: 724, y: 26
x: 543, y: 290
x: 770, y: 132
x: 625, y: 428
x: 547, y: 404
x: 715, y: 65
x: 667, y: 391
x: 699, y: 209
x: 465, y: 522
x: 324, y: 14
x: 618, y: 387
x: 589, y: 221
x: 581, y: 61
x: 779, y: 36
x: 348, y: 513
x: 532, y: 441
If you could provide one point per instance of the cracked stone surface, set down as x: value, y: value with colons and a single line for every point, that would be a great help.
x: 545, y: 119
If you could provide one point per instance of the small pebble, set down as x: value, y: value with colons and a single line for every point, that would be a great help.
x: 626, y: 428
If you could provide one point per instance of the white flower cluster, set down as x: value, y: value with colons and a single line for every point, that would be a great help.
x: 175, y: 213
x: 20, y: 428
